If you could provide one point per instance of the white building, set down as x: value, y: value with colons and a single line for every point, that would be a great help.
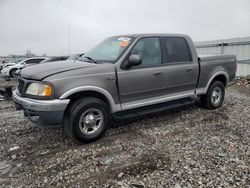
x: 236, y: 46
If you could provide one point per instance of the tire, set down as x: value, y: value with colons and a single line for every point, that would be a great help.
x: 12, y: 73
x: 86, y: 119
x: 214, y: 97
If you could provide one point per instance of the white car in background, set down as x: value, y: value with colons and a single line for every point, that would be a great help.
x: 9, y: 70
x: 12, y: 62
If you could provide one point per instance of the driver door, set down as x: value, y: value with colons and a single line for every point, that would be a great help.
x: 140, y: 84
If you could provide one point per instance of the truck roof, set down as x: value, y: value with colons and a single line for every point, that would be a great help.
x: 152, y: 34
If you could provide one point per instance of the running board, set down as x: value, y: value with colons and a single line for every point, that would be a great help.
x: 153, y: 108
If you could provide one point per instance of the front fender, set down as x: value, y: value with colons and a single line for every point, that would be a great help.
x: 114, y: 107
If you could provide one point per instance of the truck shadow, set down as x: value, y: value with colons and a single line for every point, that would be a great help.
x: 162, y: 116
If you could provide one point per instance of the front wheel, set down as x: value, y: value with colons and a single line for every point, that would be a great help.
x: 215, y: 95
x: 12, y: 73
x: 87, y: 119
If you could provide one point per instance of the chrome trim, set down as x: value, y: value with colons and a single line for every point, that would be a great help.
x: 114, y: 107
x: 156, y: 100
x: 40, y: 105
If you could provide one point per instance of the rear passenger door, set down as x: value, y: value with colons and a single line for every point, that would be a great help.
x: 182, y: 70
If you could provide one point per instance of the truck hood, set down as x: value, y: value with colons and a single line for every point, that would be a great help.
x: 41, y: 71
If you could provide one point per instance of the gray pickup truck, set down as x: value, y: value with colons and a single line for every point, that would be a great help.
x: 123, y: 76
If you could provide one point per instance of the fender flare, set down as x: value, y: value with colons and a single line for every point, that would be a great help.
x: 217, y: 74
x: 114, y: 107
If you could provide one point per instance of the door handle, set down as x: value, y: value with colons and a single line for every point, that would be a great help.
x: 158, y: 74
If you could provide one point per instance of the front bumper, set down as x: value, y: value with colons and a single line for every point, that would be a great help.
x: 42, y: 112
x: 5, y: 71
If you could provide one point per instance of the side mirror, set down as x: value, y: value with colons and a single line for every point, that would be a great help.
x: 134, y: 60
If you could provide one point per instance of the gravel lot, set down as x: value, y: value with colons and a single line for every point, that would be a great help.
x: 185, y: 147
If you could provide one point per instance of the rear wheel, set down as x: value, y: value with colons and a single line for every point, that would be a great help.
x: 215, y: 95
x: 12, y: 72
x: 87, y: 119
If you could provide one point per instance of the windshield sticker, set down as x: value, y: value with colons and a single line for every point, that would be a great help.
x: 124, y: 39
x: 123, y: 43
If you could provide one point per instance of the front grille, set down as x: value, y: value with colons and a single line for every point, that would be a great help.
x: 21, y: 86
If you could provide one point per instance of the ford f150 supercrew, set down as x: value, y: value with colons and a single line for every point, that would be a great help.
x: 122, y: 77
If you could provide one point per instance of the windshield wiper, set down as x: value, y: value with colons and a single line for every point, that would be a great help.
x: 92, y: 60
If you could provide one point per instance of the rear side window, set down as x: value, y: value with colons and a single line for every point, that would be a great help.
x: 176, y: 50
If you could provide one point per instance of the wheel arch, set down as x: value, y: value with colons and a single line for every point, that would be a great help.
x: 92, y: 91
x: 220, y: 76
x: 12, y: 69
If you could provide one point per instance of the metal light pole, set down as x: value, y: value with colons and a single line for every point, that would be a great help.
x: 69, y: 40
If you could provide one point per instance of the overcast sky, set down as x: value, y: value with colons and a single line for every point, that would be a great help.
x: 42, y: 26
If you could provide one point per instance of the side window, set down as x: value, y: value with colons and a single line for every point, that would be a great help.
x: 176, y: 50
x: 39, y: 60
x: 149, y: 50
x: 34, y: 61
x: 56, y: 59
x: 28, y: 61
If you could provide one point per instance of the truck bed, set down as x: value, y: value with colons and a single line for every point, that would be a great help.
x: 215, y: 57
x: 211, y: 64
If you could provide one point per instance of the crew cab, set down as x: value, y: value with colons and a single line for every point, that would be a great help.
x: 123, y: 76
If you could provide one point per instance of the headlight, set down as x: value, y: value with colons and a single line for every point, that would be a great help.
x: 39, y: 89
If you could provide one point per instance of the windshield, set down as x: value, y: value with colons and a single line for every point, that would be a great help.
x: 15, y: 61
x: 109, y: 50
